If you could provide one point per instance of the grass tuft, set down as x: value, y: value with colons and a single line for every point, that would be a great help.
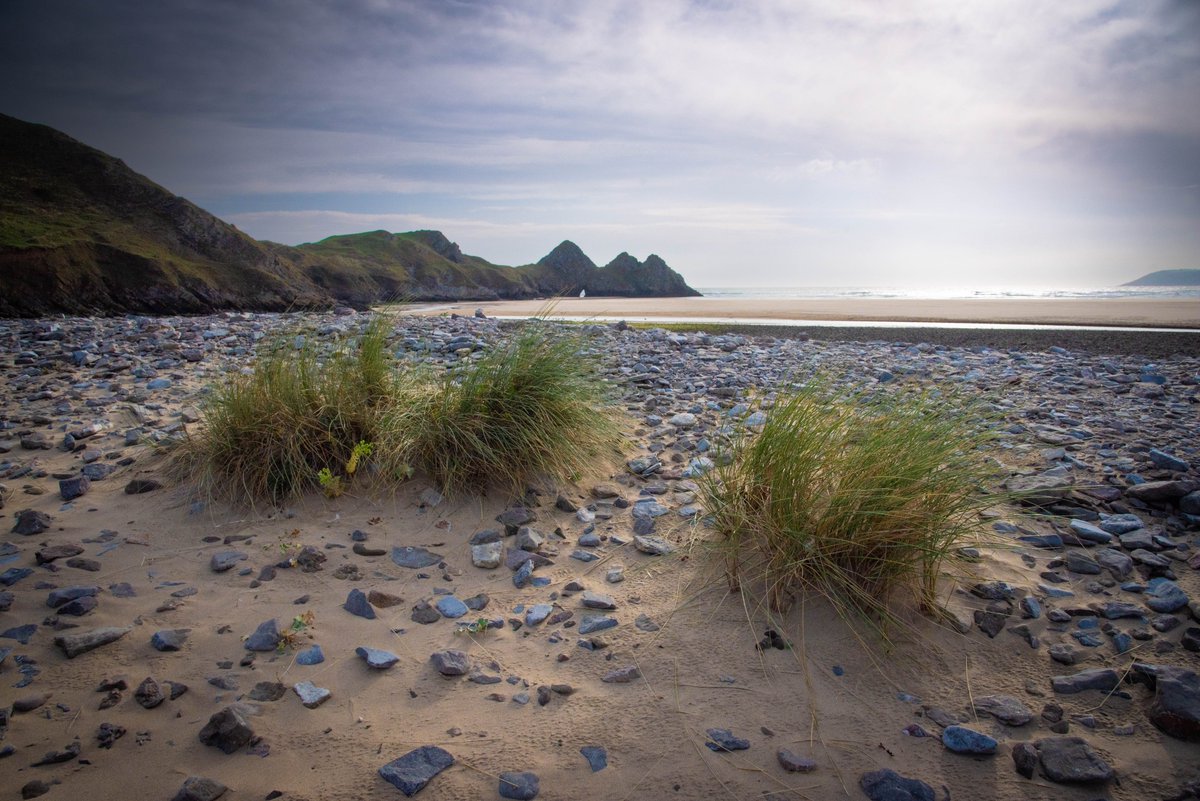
x: 533, y: 407
x: 856, y: 497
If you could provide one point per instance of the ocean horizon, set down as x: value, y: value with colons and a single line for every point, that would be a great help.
x: 947, y: 293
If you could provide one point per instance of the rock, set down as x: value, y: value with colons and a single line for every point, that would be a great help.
x: 267, y: 691
x: 519, y: 785
x: 724, y: 740
x: 72, y: 488
x: 265, y: 638
x: 357, y: 604
x: 887, y: 785
x: 1176, y: 706
x: 383, y: 600
x: 1167, y: 461
x: 310, y: 694
x: 1005, y: 708
x: 594, y: 623
x: 78, y: 607
x: 410, y: 773
x: 990, y: 623
x: 1159, y: 491
x: 1025, y: 757
x: 1103, y: 679
x: 451, y: 662
x: 622, y: 675
x: 75, y: 642
x: 310, y: 656
x: 962, y: 740
x: 655, y: 546
x: 794, y: 763
x: 596, y: 757
x: 424, y: 613
x: 529, y: 539
x: 414, y: 558
x: 1089, y: 533
x: 30, y: 522
x: 1071, y: 760
x: 197, y: 788
x: 227, y: 730
x: 1115, y: 562
x: 376, y: 658
x: 488, y: 555
x: 1040, y: 490
x: 596, y: 600
x: 169, y: 639
x: 1163, y: 595
x: 451, y: 607
x: 149, y: 694
x: 51, y: 553
x: 1078, y: 562
x: 225, y: 560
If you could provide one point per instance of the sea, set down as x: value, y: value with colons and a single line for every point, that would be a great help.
x: 859, y: 293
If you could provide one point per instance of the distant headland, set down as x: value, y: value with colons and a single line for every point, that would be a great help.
x: 1168, y: 278
x: 81, y: 233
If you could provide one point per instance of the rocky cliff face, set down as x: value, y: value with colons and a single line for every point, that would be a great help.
x: 81, y: 233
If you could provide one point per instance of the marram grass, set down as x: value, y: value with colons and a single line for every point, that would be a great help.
x: 858, y: 498
x: 534, y: 408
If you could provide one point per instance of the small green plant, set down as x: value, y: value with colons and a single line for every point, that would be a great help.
x: 360, y: 451
x: 289, y: 638
x: 853, y: 496
x: 477, y: 626
x: 330, y: 484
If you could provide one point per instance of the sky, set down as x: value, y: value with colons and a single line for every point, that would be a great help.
x: 908, y: 143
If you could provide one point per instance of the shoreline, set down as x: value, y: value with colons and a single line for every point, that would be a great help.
x: 1104, y: 312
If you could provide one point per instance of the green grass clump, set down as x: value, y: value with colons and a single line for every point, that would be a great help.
x: 532, y: 407
x: 307, y: 419
x: 855, y: 497
x: 268, y: 435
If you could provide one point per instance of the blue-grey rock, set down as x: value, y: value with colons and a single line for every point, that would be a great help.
x: 14, y: 574
x: 1119, y: 610
x: 72, y: 488
x: 594, y: 623
x: 227, y: 730
x: 169, y: 639
x: 725, y: 740
x: 98, y: 471
x: 1103, y: 679
x: 1119, y: 565
x: 122, y: 589
x: 451, y: 607
x: 589, y: 540
x: 159, y: 383
x: 1164, y: 595
x: 596, y: 600
x: 1176, y: 706
x: 1122, y: 642
x: 1090, y: 533
x: 523, y: 574
x: 311, y: 656
x: 1167, y: 461
x: 962, y: 740
x: 888, y: 785
x: 622, y: 675
x: 357, y: 604
x: 79, y: 607
x: 376, y: 658
x: 1031, y: 608
x: 1046, y: 541
x: 1071, y: 760
x: 1004, y: 708
x: 655, y: 546
x: 65, y: 595
x: 310, y: 694
x: 74, y: 642
x: 265, y: 638
x: 1120, y: 524
x: 648, y: 507
x: 410, y: 773
x: 414, y: 558
x: 793, y: 762
x: 1078, y: 562
x: 225, y: 560
x: 451, y: 662
x: 537, y: 613
x: 487, y: 555
x: 520, y: 785
x: 584, y: 556
x: 21, y: 634
x: 596, y: 756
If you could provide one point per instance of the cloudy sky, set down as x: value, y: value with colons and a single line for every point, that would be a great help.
x: 770, y: 143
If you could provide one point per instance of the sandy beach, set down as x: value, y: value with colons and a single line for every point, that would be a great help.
x: 1132, y: 312
x: 186, y: 579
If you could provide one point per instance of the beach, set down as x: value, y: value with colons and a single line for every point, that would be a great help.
x: 1123, y: 312
x: 618, y: 667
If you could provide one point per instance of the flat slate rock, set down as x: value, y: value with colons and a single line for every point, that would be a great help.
x: 1102, y: 679
x: 75, y: 642
x: 198, y: 788
x: 519, y: 785
x: 596, y: 756
x: 65, y: 595
x: 225, y: 560
x: 794, y: 763
x: 414, y: 558
x: 962, y: 740
x: 1071, y: 760
x: 1176, y: 705
x: 227, y: 730
x: 410, y: 773
x: 1004, y: 708
x: 654, y: 546
x: 357, y: 604
x: 169, y: 639
x: 265, y: 638
x: 451, y: 662
x: 888, y: 785
x: 310, y: 694
x: 376, y: 658
x: 725, y: 740
x: 267, y: 691
x: 30, y: 522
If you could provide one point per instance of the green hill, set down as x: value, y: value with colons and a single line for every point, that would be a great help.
x: 1168, y: 278
x: 81, y: 233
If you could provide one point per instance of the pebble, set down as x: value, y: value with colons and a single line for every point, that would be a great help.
x: 521, y: 785
x: 410, y: 773
x: 376, y: 658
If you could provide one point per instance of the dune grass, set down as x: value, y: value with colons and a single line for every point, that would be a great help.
x: 310, y: 418
x: 534, y: 406
x: 858, y: 498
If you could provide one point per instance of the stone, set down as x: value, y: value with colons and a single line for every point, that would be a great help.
x: 310, y: 656
x: 1090, y: 533
x: 51, y: 553
x: 198, y: 788
x: 72, y: 488
x: 1175, y: 708
x: 794, y: 763
x: 265, y: 638
x: 79, y: 641
x: 30, y: 522
x: 521, y: 785
x: 1004, y: 708
x: 596, y: 756
x: 410, y: 773
x: 267, y: 691
x: 225, y: 560
x: 424, y: 613
x: 414, y: 558
x: 1025, y: 758
x: 451, y: 662
x: 594, y: 623
x: 169, y: 639
x: 655, y: 546
x: 1159, y: 491
x: 990, y: 623
x: 487, y: 555
x: 1070, y: 760
x: 376, y: 658
x: 596, y: 600
x: 34, y: 788
x: 622, y: 675
x: 725, y: 740
x: 962, y: 740
x: 1165, y: 596
x: 888, y: 785
x: 357, y: 604
x: 78, y: 607
x: 227, y: 730
x: 148, y: 694
x: 1078, y: 562
x: 310, y: 694
x: 383, y: 600
x: 1103, y: 679
x: 451, y: 607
